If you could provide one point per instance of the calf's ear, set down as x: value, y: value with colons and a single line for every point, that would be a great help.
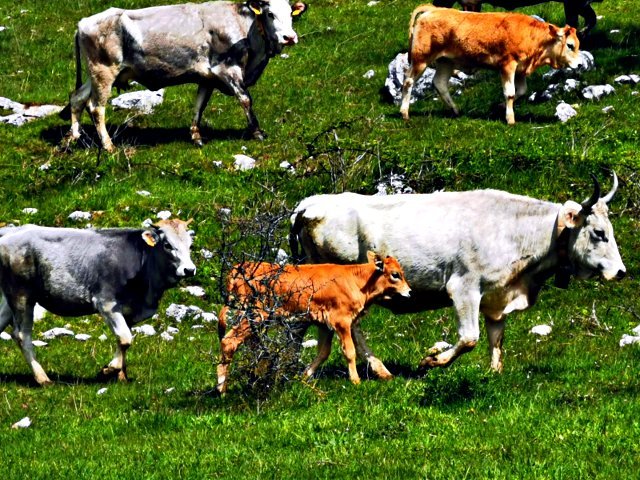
x: 555, y: 31
x: 571, y: 214
x: 376, y: 260
x: 298, y: 9
x: 150, y: 237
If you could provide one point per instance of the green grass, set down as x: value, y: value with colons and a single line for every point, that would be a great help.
x: 565, y: 407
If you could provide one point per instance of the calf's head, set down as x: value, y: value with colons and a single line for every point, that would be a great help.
x: 390, y: 280
x: 174, y: 240
x: 564, y: 47
x: 276, y: 17
x: 592, y: 246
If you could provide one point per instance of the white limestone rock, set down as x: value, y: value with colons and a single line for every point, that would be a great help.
x: 542, y: 330
x: 243, y: 162
x: 564, y: 112
x: 57, y: 332
x: 596, y: 92
x: 145, y: 329
x: 143, y: 101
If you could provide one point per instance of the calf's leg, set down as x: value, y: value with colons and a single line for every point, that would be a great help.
x: 444, y: 71
x: 363, y: 351
x: 325, y: 337
x: 413, y: 72
x: 228, y: 346
x: 22, y: 333
x: 118, y: 325
x: 343, y: 329
x: 509, y: 89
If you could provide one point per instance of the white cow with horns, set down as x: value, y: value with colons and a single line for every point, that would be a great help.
x: 481, y: 251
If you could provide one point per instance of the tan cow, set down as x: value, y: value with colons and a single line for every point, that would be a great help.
x: 512, y: 43
x: 332, y: 296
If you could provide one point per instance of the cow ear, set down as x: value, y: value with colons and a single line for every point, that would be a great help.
x: 150, y: 237
x: 572, y: 215
x: 255, y: 7
x: 376, y: 260
x: 555, y: 31
x: 298, y: 8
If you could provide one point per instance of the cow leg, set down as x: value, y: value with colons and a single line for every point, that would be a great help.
x: 228, y: 346
x: 118, y: 325
x: 571, y: 13
x: 22, y: 334
x: 102, y: 78
x: 77, y: 103
x: 467, y: 304
x: 6, y: 315
x: 444, y: 71
x: 232, y: 77
x: 363, y: 351
x: 495, y: 333
x: 413, y: 72
x: 202, y: 99
x: 509, y: 90
x: 343, y: 329
x: 325, y: 337
x: 590, y: 19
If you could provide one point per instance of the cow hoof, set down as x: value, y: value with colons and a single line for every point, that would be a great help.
x: 427, y: 363
x: 45, y: 383
x: 256, y: 134
x: 198, y: 142
x: 109, y: 373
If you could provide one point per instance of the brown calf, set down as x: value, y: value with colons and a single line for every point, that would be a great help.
x: 512, y: 43
x: 333, y: 296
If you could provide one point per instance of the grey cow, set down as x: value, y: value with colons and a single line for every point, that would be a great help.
x: 572, y: 9
x: 481, y: 251
x: 119, y: 273
x: 217, y: 45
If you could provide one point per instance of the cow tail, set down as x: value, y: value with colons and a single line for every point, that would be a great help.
x: 412, y: 25
x: 294, y: 233
x: 78, y: 62
x: 65, y: 113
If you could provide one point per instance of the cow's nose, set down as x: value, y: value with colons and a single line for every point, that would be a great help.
x: 290, y: 39
x: 621, y: 274
x: 189, y: 272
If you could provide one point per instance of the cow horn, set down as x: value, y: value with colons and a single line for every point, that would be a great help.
x: 607, y: 198
x: 595, y: 196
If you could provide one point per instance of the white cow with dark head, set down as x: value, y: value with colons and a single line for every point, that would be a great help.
x: 216, y: 45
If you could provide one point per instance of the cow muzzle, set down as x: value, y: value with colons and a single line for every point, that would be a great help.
x: 290, y: 39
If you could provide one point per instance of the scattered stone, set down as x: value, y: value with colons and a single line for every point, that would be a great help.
x: 632, y: 78
x: 636, y: 330
x: 206, y: 254
x: 615, y: 30
x: 25, y: 113
x: 369, y: 74
x: 284, y: 55
x: 143, y: 101
x: 30, y: 211
x: 197, y: 327
x: 287, y: 166
x: 629, y: 340
x: 172, y: 330
x: 143, y: 193
x: 225, y: 212
x: 82, y: 337
x: 23, y: 423
x: 422, y: 88
x: 181, y: 312
x: 542, y: 330
x: 103, y: 337
x: 102, y: 391
x: 194, y: 290
x: 282, y: 257
x: 39, y: 343
x: 607, y: 109
x: 79, y: 216
x: 217, y: 164
x: 596, y: 92
x: 310, y: 343
x: 145, y: 329
x: 206, y: 317
x: 570, y: 85
x: 372, y: 3
x: 243, y: 162
x: 564, y: 112
x: 38, y: 312
x: 393, y: 184
x: 57, y: 332
x: 169, y: 390
x: 2, y: 29
x: 166, y: 336
x: 5, y: 336
x: 163, y: 215
x: 147, y: 223
x: 585, y: 64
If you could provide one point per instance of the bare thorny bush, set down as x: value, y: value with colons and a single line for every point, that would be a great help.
x: 271, y: 356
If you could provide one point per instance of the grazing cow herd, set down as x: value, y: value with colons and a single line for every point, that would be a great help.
x: 483, y: 251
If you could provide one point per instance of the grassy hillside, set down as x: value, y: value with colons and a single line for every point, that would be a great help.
x: 566, y: 405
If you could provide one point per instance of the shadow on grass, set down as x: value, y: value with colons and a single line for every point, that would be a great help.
x: 123, y: 136
x: 27, y: 380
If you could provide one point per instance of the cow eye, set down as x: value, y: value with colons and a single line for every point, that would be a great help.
x: 271, y: 15
x: 571, y: 47
x: 599, y: 235
x: 395, y: 275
